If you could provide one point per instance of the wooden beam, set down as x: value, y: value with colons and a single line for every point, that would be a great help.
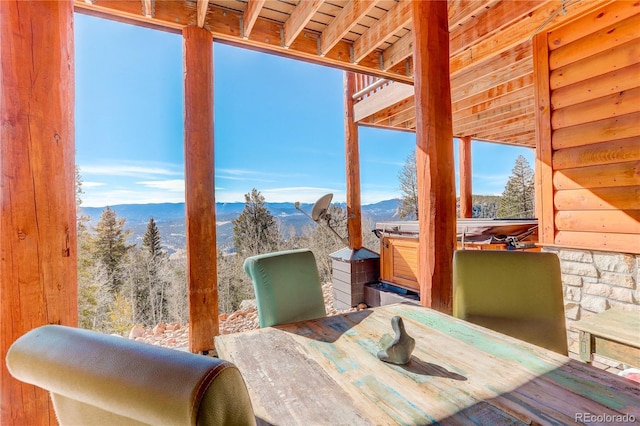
x: 173, y: 16
x: 488, y: 24
x: 398, y: 51
x: 348, y: 17
x: 545, y: 210
x: 354, y: 205
x: 148, y: 8
x: 299, y: 18
x: 461, y: 11
x: 203, y: 6
x: 384, y: 98
x: 38, y: 257
x: 199, y: 191
x: 434, y: 154
x: 250, y: 16
x: 390, y: 23
x: 466, y: 200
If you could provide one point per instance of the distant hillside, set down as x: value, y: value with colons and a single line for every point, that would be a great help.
x: 170, y: 218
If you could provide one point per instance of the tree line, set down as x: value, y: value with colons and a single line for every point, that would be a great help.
x: 517, y: 199
x: 121, y: 285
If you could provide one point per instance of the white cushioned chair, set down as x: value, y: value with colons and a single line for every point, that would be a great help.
x: 96, y: 379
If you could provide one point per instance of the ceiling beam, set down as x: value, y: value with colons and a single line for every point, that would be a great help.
x: 344, y: 21
x: 202, y: 5
x: 461, y: 11
x: 489, y: 23
x: 250, y: 16
x: 148, y: 8
x: 398, y: 51
x: 298, y: 19
x: 390, y: 23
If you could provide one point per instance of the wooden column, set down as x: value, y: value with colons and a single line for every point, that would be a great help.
x: 38, y: 258
x: 199, y: 188
x: 354, y: 205
x: 434, y: 153
x: 545, y: 208
x: 466, y: 198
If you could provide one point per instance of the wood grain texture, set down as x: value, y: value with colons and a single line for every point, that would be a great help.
x: 600, y: 241
x: 610, y: 198
x: 434, y: 154
x: 620, y: 127
x: 466, y: 191
x: 609, y: 221
x: 544, y: 152
x: 592, y: 22
x: 616, y: 174
x: 199, y: 188
x: 38, y: 257
x: 612, y: 152
x: 352, y: 158
x: 459, y: 373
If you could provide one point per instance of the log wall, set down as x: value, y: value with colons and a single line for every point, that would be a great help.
x: 588, y: 75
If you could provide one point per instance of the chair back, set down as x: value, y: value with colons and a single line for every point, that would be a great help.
x: 515, y: 293
x: 287, y: 286
x: 97, y: 379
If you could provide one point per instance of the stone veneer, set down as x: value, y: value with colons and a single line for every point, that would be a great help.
x: 592, y: 282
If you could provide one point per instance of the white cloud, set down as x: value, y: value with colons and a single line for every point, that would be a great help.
x: 173, y: 185
x: 131, y: 170
x: 101, y: 198
x: 92, y: 184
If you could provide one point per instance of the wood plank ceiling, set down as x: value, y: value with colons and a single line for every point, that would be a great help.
x: 490, y: 47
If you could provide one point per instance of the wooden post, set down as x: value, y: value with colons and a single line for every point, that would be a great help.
x: 434, y: 153
x: 545, y: 208
x: 466, y: 198
x: 199, y: 188
x: 354, y: 206
x: 38, y: 258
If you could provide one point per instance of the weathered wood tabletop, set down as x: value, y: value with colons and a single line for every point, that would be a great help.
x: 326, y: 371
x: 614, y: 333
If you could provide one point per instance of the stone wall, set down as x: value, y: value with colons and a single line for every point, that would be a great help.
x: 593, y: 282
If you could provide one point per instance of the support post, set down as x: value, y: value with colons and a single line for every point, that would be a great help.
x: 434, y: 154
x: 38, y: 256
x: 466, y: 197
x: 354, y: 205
x: 199, y: 189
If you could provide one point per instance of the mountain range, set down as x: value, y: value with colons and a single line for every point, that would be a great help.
x: 170, y: 218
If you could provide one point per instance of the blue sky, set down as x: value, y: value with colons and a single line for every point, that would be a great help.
x: 278, y: 125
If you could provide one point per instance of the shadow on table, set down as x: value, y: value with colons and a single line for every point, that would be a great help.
x: 326, y: 329
x: 418, y: 366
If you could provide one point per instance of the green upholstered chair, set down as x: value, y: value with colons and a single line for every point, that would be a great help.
x: 287, y: 286
x: 97, y: 379
x: 514, y: 293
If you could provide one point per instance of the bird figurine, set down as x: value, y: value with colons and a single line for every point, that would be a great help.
x: 400, y: 348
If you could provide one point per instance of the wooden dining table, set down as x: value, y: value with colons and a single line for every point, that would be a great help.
x: 326, y: 372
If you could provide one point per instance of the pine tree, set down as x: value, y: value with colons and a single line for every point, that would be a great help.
x: 156, y: 284
x: 151, y: 240
x: 255, y: 231
x: 110, y: 246
x: 518, y: 197
x: 409, y: 187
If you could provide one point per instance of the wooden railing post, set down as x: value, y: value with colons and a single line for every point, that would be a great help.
x: 354, y: 207
x: 38, y: 256
x: 199, y: 188
x: 466, y: 197
x: 434, y: 153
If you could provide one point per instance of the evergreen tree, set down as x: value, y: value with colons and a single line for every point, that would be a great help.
x: 151, y: 240
x: 518, y: 197
x: 157, y: 284
x: 255, y: 231
x: 110, y: 246
x: 409, y: 187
